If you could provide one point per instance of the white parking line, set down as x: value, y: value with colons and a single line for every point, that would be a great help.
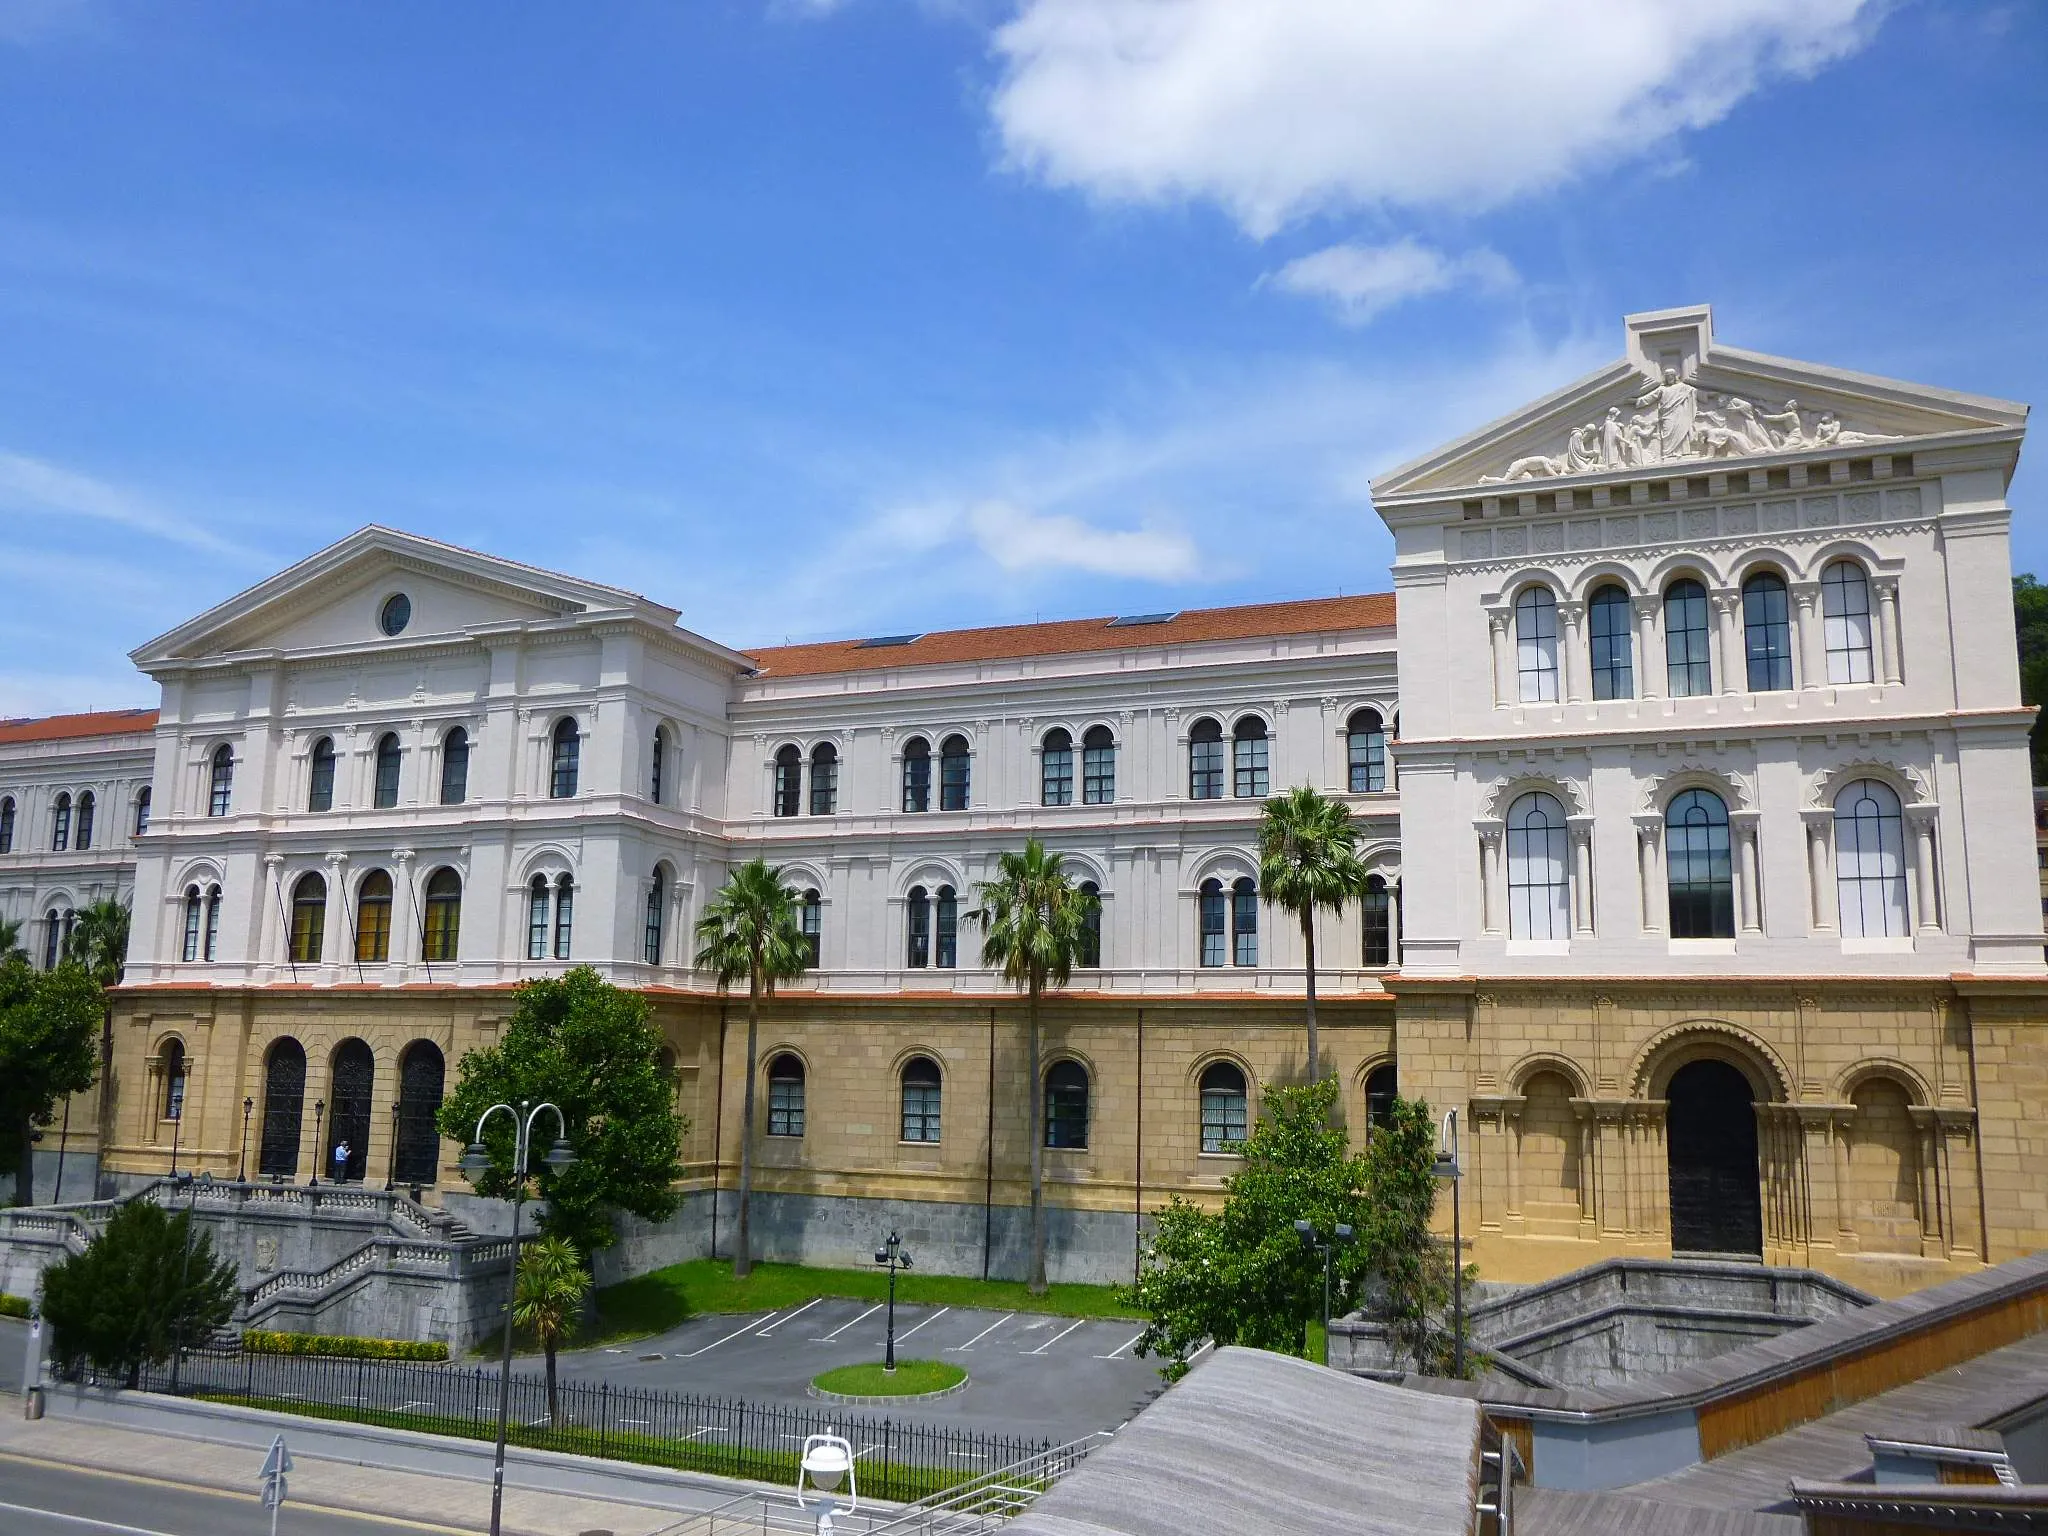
x: 828, y: 1338
x: 991, y: 1328
x: 743, y: 1328
x: 1127, y: 1343
x: 906, y: 1333
x: 1048, y: 1344
x: 1202, y: 1349
x: 781, y: 1320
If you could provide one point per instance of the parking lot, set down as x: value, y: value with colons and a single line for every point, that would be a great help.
x: 1027, y: 1374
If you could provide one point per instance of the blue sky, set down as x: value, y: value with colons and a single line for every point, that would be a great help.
x: 847, y: 318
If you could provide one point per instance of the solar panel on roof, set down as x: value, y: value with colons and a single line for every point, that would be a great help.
x: 1127, y: 620
x: 879, y: 640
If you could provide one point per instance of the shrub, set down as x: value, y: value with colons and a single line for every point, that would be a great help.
x: 13, y: 1306
x: 258, y: 1342
x: 145, y: 1286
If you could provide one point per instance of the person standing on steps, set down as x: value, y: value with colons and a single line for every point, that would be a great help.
x: 341, y: 1157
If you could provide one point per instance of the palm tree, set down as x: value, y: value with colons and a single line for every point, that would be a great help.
x: 1032, y: 915
x: 751, y: 928
x: 10, y: 940
x: 547, y: 1299
x: 99, y: 940
x: 1308, y: 859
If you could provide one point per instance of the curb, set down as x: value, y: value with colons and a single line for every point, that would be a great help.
x: 887, y: 1398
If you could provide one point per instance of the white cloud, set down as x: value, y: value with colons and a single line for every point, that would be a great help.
x: 1363, y: 280
x: 1019, y: 540
x: 1279, y: 110
x: 36, y: 485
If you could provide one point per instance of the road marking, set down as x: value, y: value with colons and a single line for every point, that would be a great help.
x: 64, y: 1519
x: 1201, y: 1350
x: 1127, y: 1343
x: 906, y: 1333
x: 1048, y: 1344
x: 781, y: 1320
x: 991, y: 1328
x: 746, y: 1327
x: 828, y: 1338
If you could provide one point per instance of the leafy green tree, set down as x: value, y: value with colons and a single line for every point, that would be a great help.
x: 1308, y: 861
x: 2030, y: 617
x: 10, y: 940
x: 1032, y: 918
x: 136, y: 1294
x: 99, y: 941
x: 589, y: 1047
x: 751, y: 928
x: 48, y: 1024
x: 547, y: 1299
x: 1408, y: 1274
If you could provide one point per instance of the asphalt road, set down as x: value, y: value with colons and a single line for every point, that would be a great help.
x: 13, y: 1345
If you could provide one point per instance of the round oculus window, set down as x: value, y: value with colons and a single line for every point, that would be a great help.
x: 395, y: 614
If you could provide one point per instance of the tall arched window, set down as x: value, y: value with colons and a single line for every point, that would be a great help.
x: 141, y: 811
x: 443, y: 926
x: 284, y: 1105
x: 60, y: 824
x: 1211, y: 928
x: 953, y: 774
x: 1539, y: 894
x: 373, y: 918
x: 921, y: 1092
x: 1698, y: 868
x: 1098, y: 766
x: 1088, y: 953
x: 384, y: 793
x: 1249, y: 779
x: 565, y: 763
x: 657, y: 756
x: 1365, y: 751
x: 53, y: 939
x: 1205, y: 760
x: 1066, y: 1104
x: 353, y: 1075
x: 7, y: 825
x: 172, y: 1064
x: 221, y: 781
x: 86, y: 807
x: 1536, y: 645
x: 189, y: 951
x: 1608, y: 634
x: 565, y: 914
x: 1845, y: 620
x: 917, y: 774
x: 811, y: 920
x: 1056, y: 768
x: 1870, y: 861
x: 455, y: 767
x: 824, y: 779
x: 538, y: 905
x: 210, y: 946
x: 917, y: 929
x: 1767, y: 632
x: 1244, y: 921
x: 422, y: 1074
x: 309, y: 919
x: 657, y: 910
x: 785, y: 1096
x: 1377, y: 910
x: 320, y: 776
x: 1224, y: 1120
x: 789, y: 779
x: 1382, y: 1087
x: 1687, y: 672
x: 948, y: 929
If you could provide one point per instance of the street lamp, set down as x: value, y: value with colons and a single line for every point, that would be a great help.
x: 391, y: 1160
x: 826, y: 1461
x: 319, y: 1150
x: 891, y: 1254
x: 242, y: 1162
x: 1340, y: 1236
x: 475, y: 1163
x: 1446, y: 1167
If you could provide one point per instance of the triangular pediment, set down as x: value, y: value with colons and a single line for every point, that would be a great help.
x: 1679, y: 403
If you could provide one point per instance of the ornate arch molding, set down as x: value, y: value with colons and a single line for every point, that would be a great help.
x: 1502, y: 598
x: 1086, y: 866
x: 1909, y: 784
x: 1693, y: 1040
x: 199, y: 872
x: 1543, y: 1061
x: 1209, y: 1058
x: 1737, y: 790
x: 1886, y: 1069
x: 1372, y: 1064
x: 1682, y: 563
x: 1572, y: 793
x: 550, y: 858
x: 919, y: 1052
x: 1225, y: 864
x: 1766, y: 559
x: 797, y: 876
x: 1606, y: 572
x: 930, y: 873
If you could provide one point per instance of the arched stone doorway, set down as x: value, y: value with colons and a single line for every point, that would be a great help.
x: 416, y: 1155
x: 348, y: 1117
x: 1710, y: 1136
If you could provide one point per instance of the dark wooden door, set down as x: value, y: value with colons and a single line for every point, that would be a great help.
x: 284, y: 1103
x: 1716, y: 1196
x: 417, y: 1157
x: 348, y: 1117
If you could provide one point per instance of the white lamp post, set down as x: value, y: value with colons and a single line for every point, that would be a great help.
x: 1447, y: 1168
x: 827, y: 1461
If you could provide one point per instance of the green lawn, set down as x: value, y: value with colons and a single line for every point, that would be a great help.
x: 909, y: 1379
x: 657, y: 1302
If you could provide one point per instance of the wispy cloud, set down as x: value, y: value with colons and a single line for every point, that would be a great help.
x: 1362, y: 281
x: 32, y: 485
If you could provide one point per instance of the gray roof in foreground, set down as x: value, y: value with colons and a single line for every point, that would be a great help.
x: 1251, y: 1441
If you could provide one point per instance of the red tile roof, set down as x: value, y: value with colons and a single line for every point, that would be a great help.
x: 1311, y: 616
x: 112, y: 722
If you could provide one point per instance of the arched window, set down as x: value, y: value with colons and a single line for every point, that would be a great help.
x: 657, y: 756
x: 221, y: 781
x: 566, y: 760
x: 917, y: 929
x: 1845, y: 620
x: 284, y: 1104
x: 948, y: 948
x: 1098, y: 766
x: 1212, y: 929
x: 1223, y: 1107
x: 172, y: 1062
x: 1539, y: 892
x: 1377, y: 909
x: 1870, y: 861
x: 210, y: 946
x: 455, y: 767
x: 1767, y: 632
x: 1066, y: 1105
x: 1088, y: 953
x: 1365, y: 749
x: 789, y: 780
x: 7, y: 824
x: 953, y: 774
x: 1698, y: 868
x: 824, y: 779
x: 141, y: 811
x: 811, y: 919
x: 422, y: 1075
x: 1382, y: 1087
x: 53, y: 939
x: 917, y: 774
x: 1608, y: 634
x: 320, y: 776
x: 373, y: 918
x: 190, y: 949
x: 309, y: 919
x: 537, y: 908
x: 1687, y: 672
x: 1244, y: 921
x: 1205, y: 760
x: 565, y: 914
x: 1248, y: 759
x: 785, y: 1096
x: 921, y: 1090
x: 1536, y: 645
x: 353, y: 1069
x: 1056, y: 769
x: 384, y: 794
x: 60, y: 824
x: 86, y: 806
x: 444, y: 915
x: 657, y: 897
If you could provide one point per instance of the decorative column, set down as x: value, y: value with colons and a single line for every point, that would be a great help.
x: 407, y: 940
x: 1889, y: 641
x: 1503, y: 669
x: 1813, y: 661
x: 1728, y: 642
x: 1578, y: 663
x: 343, y: 931
x: 1581, y: 832
x: 1492, y: 882
x: 1649, y: 667
x: 272, y: 897
x: 1926, y: 888
x: 1820, y: 881
x: 1649, y: 836
x: 1748, y: 887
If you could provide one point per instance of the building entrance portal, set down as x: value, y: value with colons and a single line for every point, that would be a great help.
x: 1710, y: 1131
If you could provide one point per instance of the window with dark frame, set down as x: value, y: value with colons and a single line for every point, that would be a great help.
x: 1213, y: 907
x: 7, y: 825
x: 1225, y: 1121
x: 221, y: 782
x: 60, y: 824
x: 388, y: 759
x: 1066, y: 1105
x: 1698, y: 868
x: 190, y: 951
x: 824, y: 779
x: 86, y: 807
x: 443, y: 927
x: 455, y: 767
x: 1382, y: 1087
x: 657, y: 899
x: 1767, y: 632
x: 811, y: 919
x: 789, y: 780
x: 309, y: 919
x: 953, y: 768
x: 1205, y: 761
x: 1687, y: 640
x: 917, y: 911
x: 537, y: 911
x: 565, y: 914
x: 655, y: 764
x: 1249, y: 780
x: 1365, y: 752
x: 1870, y: 861
x: 1098, y: 766
x: 565, y: 767
x: 917, y: 774
x: 210, y: 945
x: 1610, y: 638
x: 1244, y: 921
x: 142, y: 798
x: 373, y: 918
x: 1088, y: 953
x: 1376, y: 911
x: 1056, y: 769
x: 785, y: 1096
x: 948, y: 929
x: 922, y: 1091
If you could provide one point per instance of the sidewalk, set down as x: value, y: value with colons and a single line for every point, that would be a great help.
x: 452, y: 1503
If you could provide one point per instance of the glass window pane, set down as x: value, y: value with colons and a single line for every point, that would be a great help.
x: 1539, y: 892
x: 1609, y: 635
x: 1767, y: 633
x: 1845, y: 621
x: 1870, y: 861
x: 1687, y: 672
x: 1698, y: 869
x: 1536, y: 645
